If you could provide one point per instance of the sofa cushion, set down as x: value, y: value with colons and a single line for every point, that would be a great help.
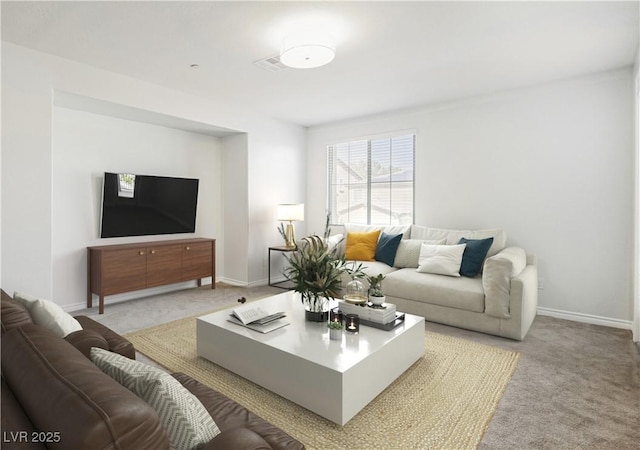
x: 373, y: 268
x: 185, y: 419
x: 48, y: 314
x: 454, y: 236
x: 474, y: 254
x: 15, y: 421
x: 454, y: 292
x: 362, y: 246
x: 62, y: 391
x: 13, y: 313
x: 370, y: 268
x: 230, y: 415
x: 441, y: 259
x: 408, y: 251
x: 496, y: 279
x: 387, y: 248
x: 389, y: 229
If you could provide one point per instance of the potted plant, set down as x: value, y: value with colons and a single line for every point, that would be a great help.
x: 376, y: 296
x: 335, y: 330
x: 316, y: 273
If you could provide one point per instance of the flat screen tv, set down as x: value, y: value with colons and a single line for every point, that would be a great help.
x: 139, y: 205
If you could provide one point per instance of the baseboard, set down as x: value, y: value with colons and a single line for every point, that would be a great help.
x: 232, y: 282
x: 117, y: 298
x: 586, y: 318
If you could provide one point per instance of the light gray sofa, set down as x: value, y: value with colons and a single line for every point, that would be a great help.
x: 501, y: 300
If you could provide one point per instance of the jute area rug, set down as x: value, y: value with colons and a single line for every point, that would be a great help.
x: 444, y: 401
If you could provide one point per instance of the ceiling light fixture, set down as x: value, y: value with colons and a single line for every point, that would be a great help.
x: 304, y: 52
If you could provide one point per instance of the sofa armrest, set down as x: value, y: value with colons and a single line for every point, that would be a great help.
x: 496, y: 280
x: 117, y: 343
x: 524, y: 300
x: 83, y: 340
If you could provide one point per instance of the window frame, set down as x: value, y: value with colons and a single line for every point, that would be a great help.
x: 331, y: 148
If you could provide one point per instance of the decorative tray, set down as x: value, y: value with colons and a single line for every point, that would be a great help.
x: 384, y: 326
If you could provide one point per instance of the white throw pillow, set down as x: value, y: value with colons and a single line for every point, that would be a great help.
x: 408, y: 251
x: 187, y: 422
x: 49, y: 315
x: 336, y: 240
x: 441, y: 259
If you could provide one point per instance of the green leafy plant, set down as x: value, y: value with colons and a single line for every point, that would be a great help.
x: 335, y: 325
x: 316, y: 272
x: 375, y: 285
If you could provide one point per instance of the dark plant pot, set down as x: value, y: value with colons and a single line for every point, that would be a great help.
x: 316, y: 316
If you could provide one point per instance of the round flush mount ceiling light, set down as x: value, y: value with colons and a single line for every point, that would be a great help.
x: 306, y: 53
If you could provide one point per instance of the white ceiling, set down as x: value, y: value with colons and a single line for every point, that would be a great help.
x: 390, y: 55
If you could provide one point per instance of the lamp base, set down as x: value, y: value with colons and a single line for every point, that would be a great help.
x: 289, y: 236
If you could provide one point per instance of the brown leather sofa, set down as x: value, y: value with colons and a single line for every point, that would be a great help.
x: 93, y: 334
x: 53, y: 396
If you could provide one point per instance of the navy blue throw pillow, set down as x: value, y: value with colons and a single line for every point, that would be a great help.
x: 474, y: 254
x: 387, y: 247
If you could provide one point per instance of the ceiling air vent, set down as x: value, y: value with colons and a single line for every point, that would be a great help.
x: 272, y: 64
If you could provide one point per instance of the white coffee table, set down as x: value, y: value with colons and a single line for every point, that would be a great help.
x: 334, y: 379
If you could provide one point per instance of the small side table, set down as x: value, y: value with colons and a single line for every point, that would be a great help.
x: 282, y: 250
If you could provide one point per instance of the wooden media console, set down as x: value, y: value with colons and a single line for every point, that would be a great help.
x: 115, y: 269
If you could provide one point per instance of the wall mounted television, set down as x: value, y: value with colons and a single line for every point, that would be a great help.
x: 140, y: 205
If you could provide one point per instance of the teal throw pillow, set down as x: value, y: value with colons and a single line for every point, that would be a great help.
x: 474, y: 254
x: 387, y: 247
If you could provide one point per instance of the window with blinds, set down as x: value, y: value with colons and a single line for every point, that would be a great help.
x: 371, y: 181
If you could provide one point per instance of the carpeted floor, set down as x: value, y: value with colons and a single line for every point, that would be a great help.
x: 445, y: 400
x: 577, y: 386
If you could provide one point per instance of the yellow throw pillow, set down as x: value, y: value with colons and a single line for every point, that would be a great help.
x: 362, y: 246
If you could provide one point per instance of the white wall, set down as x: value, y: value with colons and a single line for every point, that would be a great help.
x: 267, y: 190
x: 235, y: 197
x: 636, y: 266
x: 86, y: 145
x: 26, y: 177
x: 552, y: 165
x: 29, y: 81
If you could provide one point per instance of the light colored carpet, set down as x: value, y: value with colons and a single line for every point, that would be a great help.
x: 445, y: 400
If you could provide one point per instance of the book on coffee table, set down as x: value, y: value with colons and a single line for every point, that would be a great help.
x: 256, y: 318
x: 262, y: 328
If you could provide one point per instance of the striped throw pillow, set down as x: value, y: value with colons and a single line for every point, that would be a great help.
x: 185, y: 419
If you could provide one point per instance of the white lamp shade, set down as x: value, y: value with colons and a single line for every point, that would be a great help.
x: 304, y: 53
x: 291, y: 212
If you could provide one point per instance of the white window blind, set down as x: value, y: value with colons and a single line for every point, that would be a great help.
x: 371, y: 181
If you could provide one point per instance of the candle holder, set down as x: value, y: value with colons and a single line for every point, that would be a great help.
x: 335, y: 315
x: 352, y: 324
x: 335, y: 324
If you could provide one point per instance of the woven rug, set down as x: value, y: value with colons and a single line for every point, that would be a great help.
x: 444, y: 401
